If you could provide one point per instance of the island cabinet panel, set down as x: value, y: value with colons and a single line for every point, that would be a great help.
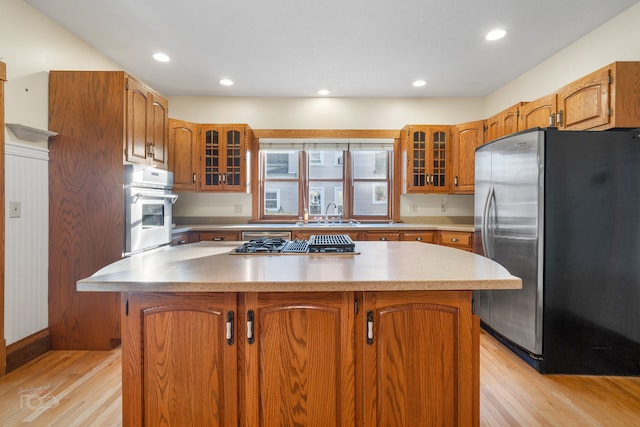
x: 179, y: 363
x: 418, y: 355
x: 297, y: 359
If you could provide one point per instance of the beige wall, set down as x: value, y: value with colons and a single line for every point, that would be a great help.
x: 616, y: 40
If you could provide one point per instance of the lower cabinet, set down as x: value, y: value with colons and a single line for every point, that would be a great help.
x: 401, y: 358
x: 178, y: 366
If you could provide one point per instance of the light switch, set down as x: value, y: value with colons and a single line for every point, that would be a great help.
x: 15, y: 209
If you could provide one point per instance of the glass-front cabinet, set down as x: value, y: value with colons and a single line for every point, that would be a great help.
x: 427, y: 152
x: 224, y: 158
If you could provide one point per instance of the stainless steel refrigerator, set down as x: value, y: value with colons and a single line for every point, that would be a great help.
x: 561, y: 210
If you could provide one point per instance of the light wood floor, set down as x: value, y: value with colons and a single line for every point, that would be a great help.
x: 80, y: 388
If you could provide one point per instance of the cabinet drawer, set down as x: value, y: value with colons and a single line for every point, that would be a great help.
x: 419, y: 236
x: 461, y: 239
x: 219, y: 235
x: 383, y: 235
x: 180, y: 238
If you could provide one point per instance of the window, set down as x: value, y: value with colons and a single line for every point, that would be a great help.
x: 318, y: 180
x: 272, y: 199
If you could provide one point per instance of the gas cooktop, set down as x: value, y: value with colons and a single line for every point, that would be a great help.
x: 321, y: 243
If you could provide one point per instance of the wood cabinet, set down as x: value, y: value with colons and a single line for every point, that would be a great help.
x: 147, y: 137
x: 427, y: 152
x: 181, y: 238
x: 183, y: 155
x: 382, y: 235
x: 86, y: 204
x: 307, y: 358
x: 3, y: 348
x: 223, y: 154
x: 607, y: 98
x: 297, y: 369
x: 427, y: 236
x: 418, y: 359
x: 538, y: 113
x: 504, y: 123
x: 466, y: 138
x: 456, y: 239
x: 218, y: 235
x: 179, y: 360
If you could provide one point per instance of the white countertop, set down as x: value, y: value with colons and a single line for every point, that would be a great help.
x: 209, y: 267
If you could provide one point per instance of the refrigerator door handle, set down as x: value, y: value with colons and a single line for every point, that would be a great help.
x: 486, y: 246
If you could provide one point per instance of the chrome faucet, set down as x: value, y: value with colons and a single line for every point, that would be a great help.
x: 326, y: 212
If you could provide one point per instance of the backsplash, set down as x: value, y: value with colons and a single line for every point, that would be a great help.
x: 236, y: 207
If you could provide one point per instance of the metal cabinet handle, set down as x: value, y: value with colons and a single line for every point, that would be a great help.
x: 455, y: 181
x: 194, y: 178
x: 369, y: 327
x: 559, y: 117
x: 229, y: 335
x: 419, y: 239
x: 250, y: 337
x: 454, y: 240
x: 383, y: 238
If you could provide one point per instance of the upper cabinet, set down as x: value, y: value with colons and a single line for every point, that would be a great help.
x: 427, y: 150
x: 183, y: 155
x: 503, y: 123
x: 147, y: 125
x: 466, y: 138
x: 538, y: 113
x: 223, y: 154
x: 207, y: 157
x: 607, y: 98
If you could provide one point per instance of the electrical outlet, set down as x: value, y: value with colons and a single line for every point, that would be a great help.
x: 15, y: 209
x: 237, y: 208
x: 413, y: 208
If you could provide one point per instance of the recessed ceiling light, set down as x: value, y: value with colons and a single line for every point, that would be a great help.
x: 419, y: 83
x: 496, y: 34
x: 161, y: 57
x: 226, y: 82
x: 323, y: 92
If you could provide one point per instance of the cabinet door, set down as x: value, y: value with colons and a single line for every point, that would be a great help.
x: 183, y: 155
x: 427, y: 150
x: 467, y: 137
x: 538, y: 113
x: 159, y: 131
x: 418, y: 353
x: 585, y: 103
x: 138, y: 144
x: 493, y: 127
x: 224, y: 158
x: 179, y: 366
x: 297, y: 359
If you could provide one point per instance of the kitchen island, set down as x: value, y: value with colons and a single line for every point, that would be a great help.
x: 385, y: 336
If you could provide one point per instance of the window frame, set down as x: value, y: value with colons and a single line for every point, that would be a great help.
x: 305, y: 185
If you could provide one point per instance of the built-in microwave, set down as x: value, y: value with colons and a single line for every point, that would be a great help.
x: 148, y: 208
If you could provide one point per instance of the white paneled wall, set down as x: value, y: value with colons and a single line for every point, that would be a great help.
x: 26, y: 241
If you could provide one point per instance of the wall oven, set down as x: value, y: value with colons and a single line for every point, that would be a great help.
x: 148, y: 208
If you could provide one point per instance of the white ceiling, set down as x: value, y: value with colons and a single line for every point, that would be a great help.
x: 354, y: 48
